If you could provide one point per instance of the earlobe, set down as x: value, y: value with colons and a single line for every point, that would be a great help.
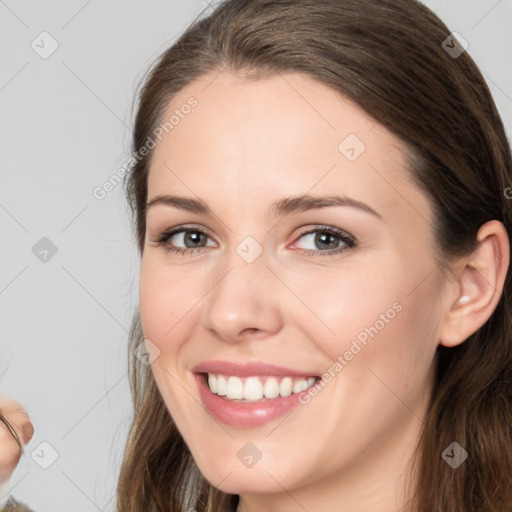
x: 479, y: 285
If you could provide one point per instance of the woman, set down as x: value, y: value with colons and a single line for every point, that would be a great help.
x: 319, y: 197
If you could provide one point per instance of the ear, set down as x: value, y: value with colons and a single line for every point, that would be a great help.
x: 474, y: 294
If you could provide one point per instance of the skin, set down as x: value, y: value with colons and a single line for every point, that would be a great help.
x: 245, y: 145
x: 9, y: 450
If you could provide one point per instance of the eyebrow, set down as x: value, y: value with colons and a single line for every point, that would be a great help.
x: 280, y: 207
x: 309, y: 202
x: 182, y: 203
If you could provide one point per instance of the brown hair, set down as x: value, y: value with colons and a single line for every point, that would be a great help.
x: 387, y: 57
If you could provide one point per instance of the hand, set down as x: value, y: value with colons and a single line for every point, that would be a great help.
x: 10, y: 451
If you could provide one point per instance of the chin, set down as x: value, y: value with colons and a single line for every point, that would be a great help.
x: 231, y: 476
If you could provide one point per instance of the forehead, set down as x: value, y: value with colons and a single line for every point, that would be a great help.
x: 286, y: 133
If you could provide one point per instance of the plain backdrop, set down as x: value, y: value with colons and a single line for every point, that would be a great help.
x: 69, y: 268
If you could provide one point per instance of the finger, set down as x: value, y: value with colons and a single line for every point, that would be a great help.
x: 10, y: 452
x: 18, y: 418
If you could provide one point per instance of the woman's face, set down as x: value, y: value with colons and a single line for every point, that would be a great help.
x: 345, y: 291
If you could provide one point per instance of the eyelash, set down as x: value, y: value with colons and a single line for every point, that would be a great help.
x: 343, y: 236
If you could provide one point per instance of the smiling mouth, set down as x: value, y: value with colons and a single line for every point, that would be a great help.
x: 256, y: 388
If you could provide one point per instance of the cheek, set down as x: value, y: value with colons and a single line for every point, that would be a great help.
x: 384, y: 314
x: 167, y: 302
x: 159, y: 310
x: 167, y: 313
x: 339, y: 306
x: 153, y: 305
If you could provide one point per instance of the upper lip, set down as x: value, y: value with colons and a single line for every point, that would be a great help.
x: 248, y: 369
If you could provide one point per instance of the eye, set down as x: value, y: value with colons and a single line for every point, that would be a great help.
x: 327, y: 239
x: 193, y: 240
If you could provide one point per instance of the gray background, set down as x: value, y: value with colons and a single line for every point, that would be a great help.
x: 65, y: 130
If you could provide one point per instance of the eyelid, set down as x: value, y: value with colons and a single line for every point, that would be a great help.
x: 182, y: 227
x: 341, y: 233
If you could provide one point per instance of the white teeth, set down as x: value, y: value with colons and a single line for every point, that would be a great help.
x: 212, y: 382
x: 271, y: 388
x: 257, y: 388
x: 300, y: 385
x: 253, y: 389
x: 286, y: 387
x: 222, y: 386
x: 235, y: 388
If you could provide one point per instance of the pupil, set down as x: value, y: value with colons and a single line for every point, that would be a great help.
x: 321, y: 239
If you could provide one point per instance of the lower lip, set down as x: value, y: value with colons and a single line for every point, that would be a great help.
x: 244, y: 414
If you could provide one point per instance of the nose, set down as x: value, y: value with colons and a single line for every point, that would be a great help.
x: 244, y: 301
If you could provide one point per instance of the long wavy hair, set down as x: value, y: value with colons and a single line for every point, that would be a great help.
x: 389, y: 58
